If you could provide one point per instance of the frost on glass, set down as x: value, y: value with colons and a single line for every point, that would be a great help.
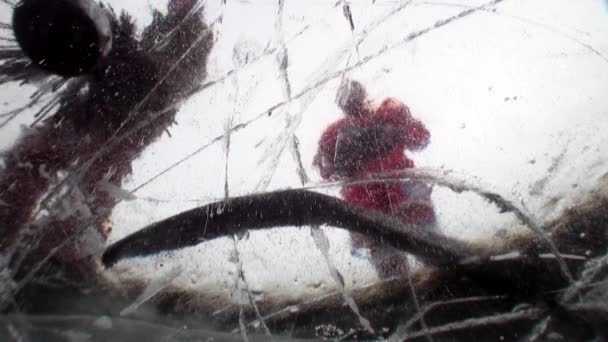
x: 172, y: 188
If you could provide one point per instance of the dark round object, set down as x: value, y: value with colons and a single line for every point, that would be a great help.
x: 64, y: 37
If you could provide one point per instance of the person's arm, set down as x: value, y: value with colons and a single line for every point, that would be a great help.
x: 324, y: 158
x: 347, y: 144
x: 396, y: 114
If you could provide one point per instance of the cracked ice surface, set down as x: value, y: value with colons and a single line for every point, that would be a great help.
x: 504, y: 90
x: 512, y: 92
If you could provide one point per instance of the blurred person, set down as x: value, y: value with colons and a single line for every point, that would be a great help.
x: 372, y: 139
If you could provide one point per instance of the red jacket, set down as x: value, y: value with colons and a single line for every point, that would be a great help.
x: 356, y: 147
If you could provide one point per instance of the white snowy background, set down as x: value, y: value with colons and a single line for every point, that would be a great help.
x: 514, y: 96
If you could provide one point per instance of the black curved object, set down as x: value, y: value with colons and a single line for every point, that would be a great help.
x: 277, y: 209
x: 63, y: 37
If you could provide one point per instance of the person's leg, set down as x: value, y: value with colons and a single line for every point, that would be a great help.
x: 389, y: 262
x: 417, y: 213
x: 410, y: 202
x: 386, y: 261
x: 416, y: 206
